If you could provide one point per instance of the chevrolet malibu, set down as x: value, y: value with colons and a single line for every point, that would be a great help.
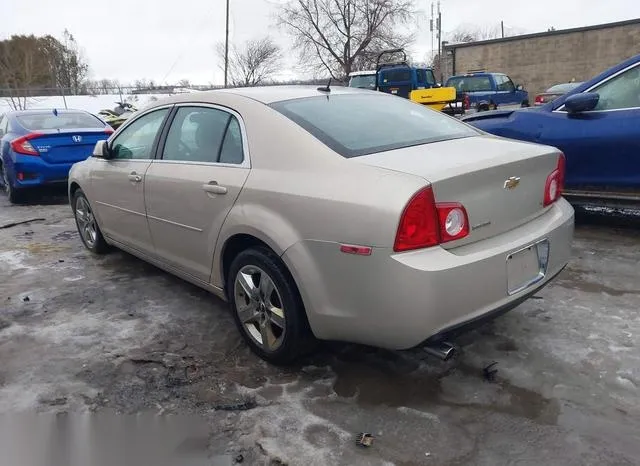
x: 329, y: 213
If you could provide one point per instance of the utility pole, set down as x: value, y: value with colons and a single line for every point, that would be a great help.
x: 439, y: 27
x: 502, y: 27
x: 226, y: 50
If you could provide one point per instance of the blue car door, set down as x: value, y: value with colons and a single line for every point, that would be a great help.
x: 506, y: 93
x: 602, y: 146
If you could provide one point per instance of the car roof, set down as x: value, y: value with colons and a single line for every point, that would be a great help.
x: 362, y: 73
x: 264, y: 94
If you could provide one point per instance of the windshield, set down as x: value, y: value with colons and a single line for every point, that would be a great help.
x: 470, y: 83
x: 365, y: 81
x: 355, y: 125
x: 64, y: 120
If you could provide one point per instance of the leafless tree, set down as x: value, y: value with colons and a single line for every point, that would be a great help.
x: 256, y: 62
x: 471, y: 33
x: 340, y: 36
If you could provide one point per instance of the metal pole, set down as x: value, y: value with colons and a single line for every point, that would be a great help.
x: 226, y: 50
x: 502, y: 27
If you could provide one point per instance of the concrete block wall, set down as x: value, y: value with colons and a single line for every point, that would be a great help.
x: 541, y: 60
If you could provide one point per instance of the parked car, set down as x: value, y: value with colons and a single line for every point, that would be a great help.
x: 340, y: 215
x: 554, y: 92
x: 488, y: 91
x: 597, y: 126
x: 38, y: 147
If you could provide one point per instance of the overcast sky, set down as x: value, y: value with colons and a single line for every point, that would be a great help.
x: 168, y: 41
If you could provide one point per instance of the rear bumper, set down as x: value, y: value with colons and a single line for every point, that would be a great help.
x: 398, y: 301
x: 38, y: 172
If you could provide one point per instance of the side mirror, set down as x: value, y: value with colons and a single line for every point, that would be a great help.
x: 438, y: 85
x: 582, y: 102
x: 519, y: 87
x: 101, y: 150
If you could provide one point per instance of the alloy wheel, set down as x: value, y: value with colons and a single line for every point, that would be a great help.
x: 259, y: 307
x: 86, y: 221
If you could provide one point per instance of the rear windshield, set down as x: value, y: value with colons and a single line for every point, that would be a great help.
x: 394, y: 76
x: 64, y: 120
x: 354, y: 125
x: 563, y: 88
x: 470, y: 83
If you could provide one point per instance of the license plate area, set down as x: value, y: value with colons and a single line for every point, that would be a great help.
x: 527, y: 266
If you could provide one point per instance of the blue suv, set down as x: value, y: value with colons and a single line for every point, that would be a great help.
x: 489, y: 91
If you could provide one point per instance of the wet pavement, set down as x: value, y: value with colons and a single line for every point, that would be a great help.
x: 91, y: 335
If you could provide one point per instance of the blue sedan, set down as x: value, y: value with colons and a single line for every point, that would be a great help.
x: 596, y: 125
x: 38, y: 147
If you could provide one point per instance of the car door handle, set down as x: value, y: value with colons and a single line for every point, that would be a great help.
x: 214, y: 188
x: 134, y: 177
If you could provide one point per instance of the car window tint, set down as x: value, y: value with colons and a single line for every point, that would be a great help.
x: 196, y: 134
x: 231, y: 151
x: 623, y: 91
x: 422, y: 77
x: 355, y: 124
x: 63, y: 120
x: 136, y: 140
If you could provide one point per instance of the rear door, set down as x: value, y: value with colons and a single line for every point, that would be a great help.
x: 118, y: 184
x: 190, y: 191
x: 602, y: 146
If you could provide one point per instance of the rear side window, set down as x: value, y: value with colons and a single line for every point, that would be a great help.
x: 470, y: 83
x: 355, y: 125
x: 63, y: 120
x: 395, y: 76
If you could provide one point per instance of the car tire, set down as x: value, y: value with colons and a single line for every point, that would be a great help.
x: 262, y: 313
x: 15, y: 195
x: 87, y: 224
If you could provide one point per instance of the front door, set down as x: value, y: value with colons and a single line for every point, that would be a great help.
x: 192, y: 188
x: 118, y: 183
x: 506, y: 95
x: 602, y: 146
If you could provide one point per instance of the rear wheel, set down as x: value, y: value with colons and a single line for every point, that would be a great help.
x: 267, y: 307
x: 87, y: 225
x: 15, y: 195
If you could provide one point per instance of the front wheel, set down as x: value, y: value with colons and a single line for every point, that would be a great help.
x: 88, y: 229
x: 267, y: 307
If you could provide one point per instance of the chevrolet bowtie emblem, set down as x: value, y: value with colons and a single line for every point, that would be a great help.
x: 512, y: 182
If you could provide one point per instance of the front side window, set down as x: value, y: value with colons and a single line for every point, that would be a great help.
x: 136, y: 140
x: 201, y: 134
x: 621, y: 92
x: 354, y: 125
x: 504, y: 83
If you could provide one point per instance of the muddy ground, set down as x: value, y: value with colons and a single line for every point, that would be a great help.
x: 92, y: 335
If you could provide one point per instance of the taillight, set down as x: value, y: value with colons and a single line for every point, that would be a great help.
x: 539, y: 100
x: 22, y: 145
x: 425, y: 223
x: 109, y: 131
x: 466, y: 102
x: 555, y: 183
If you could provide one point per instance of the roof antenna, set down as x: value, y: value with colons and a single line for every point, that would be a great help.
x: 327, y: 88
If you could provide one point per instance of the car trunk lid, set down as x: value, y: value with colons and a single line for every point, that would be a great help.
x: 499, y: 182
x: 67, y: 146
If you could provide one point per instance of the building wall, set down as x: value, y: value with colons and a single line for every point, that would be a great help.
x: 539, y: 61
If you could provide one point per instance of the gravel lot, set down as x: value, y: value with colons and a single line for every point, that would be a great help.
x: 89, y: 336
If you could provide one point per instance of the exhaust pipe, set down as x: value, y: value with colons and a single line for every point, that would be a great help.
x: 442, y: 350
